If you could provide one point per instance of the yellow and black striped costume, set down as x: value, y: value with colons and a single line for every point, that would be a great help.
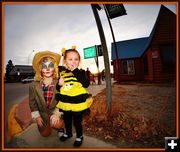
x: 73, y: 95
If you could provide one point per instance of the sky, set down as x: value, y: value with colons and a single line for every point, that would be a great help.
x: 30, y: 28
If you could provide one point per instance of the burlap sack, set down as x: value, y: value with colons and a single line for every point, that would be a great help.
x: 23, y: 114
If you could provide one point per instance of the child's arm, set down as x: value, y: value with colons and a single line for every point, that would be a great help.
x: 32, y: 103
x: 59, y: 84
x: 34, y: 107
x: 58, y: 87
x: 81, y: 77
x: 57, y: 95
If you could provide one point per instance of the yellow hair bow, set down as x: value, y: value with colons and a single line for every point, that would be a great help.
x: 73, y: 47
x: 64, y: 49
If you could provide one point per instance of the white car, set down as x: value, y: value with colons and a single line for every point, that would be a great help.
x: 28, y: 79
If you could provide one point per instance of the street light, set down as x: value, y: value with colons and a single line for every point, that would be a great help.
x: 18, y: 74
x: 29, y: 55
x: 18, y: 71
x: 113, y: 11
x: 106, y: 57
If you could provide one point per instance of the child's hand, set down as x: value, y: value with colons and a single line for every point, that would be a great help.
x: 72, y: 67
x: 54, y: 119
x: 39, y: 121
x: 61, y: 81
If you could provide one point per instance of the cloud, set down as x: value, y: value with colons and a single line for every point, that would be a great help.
x: 42, y: 27
x: 51, y: 27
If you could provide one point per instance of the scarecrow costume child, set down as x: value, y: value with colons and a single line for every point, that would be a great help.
x: 42, y: 92
x: 72, y: 95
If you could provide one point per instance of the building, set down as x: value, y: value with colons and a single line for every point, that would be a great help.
x: 150, y: 58
x: 20, y: 72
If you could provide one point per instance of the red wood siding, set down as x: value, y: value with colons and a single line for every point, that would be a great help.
x: 149, y: 76
x: 125, y: 77
x: 166, y: 28
x: 165, y: 33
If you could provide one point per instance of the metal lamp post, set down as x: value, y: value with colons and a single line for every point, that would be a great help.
x: 113, y: 11
x: 106, y: 58
x: 29, y: 56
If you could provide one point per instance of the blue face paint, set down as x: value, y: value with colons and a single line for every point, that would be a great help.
x: 44, y: 66
x: 51, y: 65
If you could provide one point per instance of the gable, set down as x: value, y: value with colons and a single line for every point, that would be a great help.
x: 136, y: 47
x: 129, y: 49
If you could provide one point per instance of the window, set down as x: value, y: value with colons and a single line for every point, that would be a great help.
x: 128, y: 67
x: 168, y: 56
x: 124, y: 69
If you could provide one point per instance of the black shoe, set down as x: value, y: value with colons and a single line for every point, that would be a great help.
x: 64, y: 137
x: 78, y: 142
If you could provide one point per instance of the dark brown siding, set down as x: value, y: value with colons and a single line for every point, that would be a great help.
x: 165, y: 33
x: 166, y: 28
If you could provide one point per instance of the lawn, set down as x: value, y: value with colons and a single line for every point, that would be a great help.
x: 141, y: 115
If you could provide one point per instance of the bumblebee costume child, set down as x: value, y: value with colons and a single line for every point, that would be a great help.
x: 73, y: 95
x: 73, y: 100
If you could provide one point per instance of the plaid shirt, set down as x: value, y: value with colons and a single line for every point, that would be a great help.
x: 47, y: 92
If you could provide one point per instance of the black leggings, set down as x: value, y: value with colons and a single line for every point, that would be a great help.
x: 76, y: 117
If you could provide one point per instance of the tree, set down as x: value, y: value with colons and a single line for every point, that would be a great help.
x: 9, y: 67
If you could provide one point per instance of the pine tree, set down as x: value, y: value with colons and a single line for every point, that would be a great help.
x: 9, y: 67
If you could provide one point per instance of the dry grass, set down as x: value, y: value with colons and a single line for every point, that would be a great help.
x: 139, y: 116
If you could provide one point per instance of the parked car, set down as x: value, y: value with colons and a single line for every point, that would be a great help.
x: 28, y: 79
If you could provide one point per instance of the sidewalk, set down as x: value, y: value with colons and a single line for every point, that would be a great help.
x: 30, y: 138
x: 95, y: 89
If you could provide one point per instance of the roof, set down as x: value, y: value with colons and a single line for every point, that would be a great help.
x: 136, y: 47
x: 22, y: 69
x: 129, y: 48
x: 162, y: 9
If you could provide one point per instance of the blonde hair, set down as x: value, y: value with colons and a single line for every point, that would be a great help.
x: 38, y: 75
x: 68, y: 51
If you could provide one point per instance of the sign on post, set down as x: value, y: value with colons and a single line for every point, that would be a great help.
x: 90, y: 52
x: 99, y: 50
x: 155, y: 54
x: 115, y: 10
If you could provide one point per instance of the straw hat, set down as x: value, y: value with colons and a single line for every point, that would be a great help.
x: 38, y: 56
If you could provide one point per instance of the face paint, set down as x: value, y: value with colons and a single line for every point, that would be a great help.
x: 47, y: 68
x: 44, y: 60
x: 44, y: 66
x: 51, y: 65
